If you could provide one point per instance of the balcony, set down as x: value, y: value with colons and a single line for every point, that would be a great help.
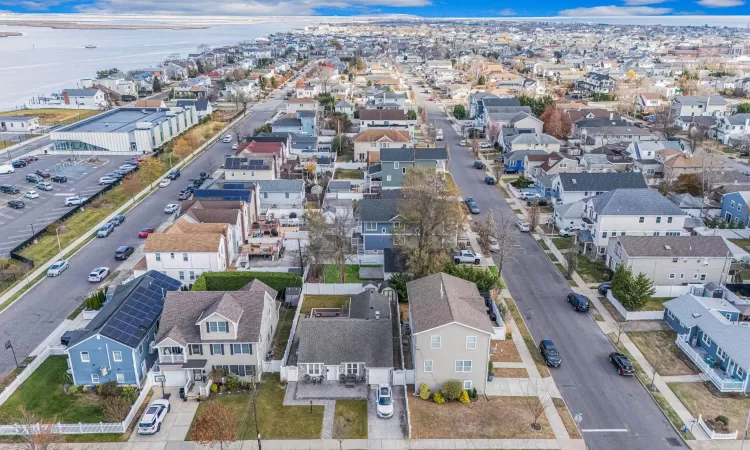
x: 720, y: 379
x: 171, y: 359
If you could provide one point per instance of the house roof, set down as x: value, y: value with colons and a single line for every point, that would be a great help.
x: 377, y: 209
x: 630, y: 202
x: 440, y: 299
x: 184, y: 308
x: 81, y: 92
x: 182, y: 242
x: 732, y: 339
x: 333, y: 341
x: 376, y: 135
x: 700, y: 100
x: 413, y: 154
x: 281, y: 185
x: 288, y: 122
x: 674, y: 246
x: 199, y: 104
x: 382, y: 114
x: 365, y: 304
x: 594, y: 182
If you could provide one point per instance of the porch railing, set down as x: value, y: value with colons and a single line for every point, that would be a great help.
x: 171, y: 358
x: 708, y: 372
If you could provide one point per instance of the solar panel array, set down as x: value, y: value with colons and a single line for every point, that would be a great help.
x: 246, y: 164
x: 140, y: 310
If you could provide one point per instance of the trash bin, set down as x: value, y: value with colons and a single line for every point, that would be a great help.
x: 182, y: 392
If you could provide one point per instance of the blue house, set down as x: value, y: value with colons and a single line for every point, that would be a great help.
x: 734, y: 208
x: 115, y: 345
x: 514, y: 160
x: 377, y: 217
x: 304, y: 123
x: 710, y: 334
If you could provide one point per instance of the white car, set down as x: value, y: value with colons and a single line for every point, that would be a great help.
x: 234, y: 146
x: 384, y: 409
x: 153, y: 416
x: 523, y: 225
x: 494, y: 245
x: 568, y: 231
x: 98, y: 274
x: 170, y: 208
x: 227, y: 139
x: 107, y: 180
x: 31, y: 194
x: 485, y: 145
x: 164, y: 183
x: 70, y: 201
x: 57, y: 268
x: 463, y: 142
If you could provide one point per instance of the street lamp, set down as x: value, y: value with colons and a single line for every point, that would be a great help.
x: 61, y: 229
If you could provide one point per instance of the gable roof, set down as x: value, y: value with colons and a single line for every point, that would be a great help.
x: 629, y: 202
x: 183, y: 242
x: 81, y: 92
x: 593, y: 182
x: 377, y: 209
x: 674, y: 246
x: 382, y: 114
x: 413, y: 154
x: 365, y: 304
x: 440, y: 299
x: 281, y: 185
x: 376, y: 135
x: 333, y: 341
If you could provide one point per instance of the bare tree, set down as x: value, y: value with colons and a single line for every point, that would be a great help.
x: 534, y: 213
x: 474, y: 144
x: 571, y: 258
x: 431, y: 134
x: 203, y: 48
x: 486, y: 230
x: 665, y: 123
x: 338, y: 238
x: 240, y: 130
x: 620, y: 327
x: 535, y: 402
x: 507, y: 239
x: 316, y: 250
x: 35, y: 433
x: 324, y: 76
x: 216, y: 424
x: 210, y: 165
x: 241, y: 99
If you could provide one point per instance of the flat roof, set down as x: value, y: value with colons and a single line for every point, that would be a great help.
x: 120, y: 120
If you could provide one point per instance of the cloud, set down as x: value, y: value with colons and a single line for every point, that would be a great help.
x: 613, y: 10
x: 720, y: 3
x: 643, y: 2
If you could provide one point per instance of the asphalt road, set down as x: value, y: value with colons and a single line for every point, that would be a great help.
x: 30, y: 320
x: 617, y: 411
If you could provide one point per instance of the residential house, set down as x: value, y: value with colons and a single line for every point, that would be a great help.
x: 595, y: 163
x: 569, y: 215
x: 202, y: 107
x: 189, y: 90
x: 395, y: 162
x: 596, y: 83
x: 451, y: 332
x: 514, y: 139
x: 391, y: 119
x: 645, y: 156
x: 293, y: 105
x: 672, y: 260
x: 344, y: 107
x: 687, y: 106
x: 552, y: 164
x: 572, y: 187
x: 282, y: 194
x: 498, y: 117
x: 694, y: 207
x: 301, y: 122
x: 731, y: 128
x: 122, y: 84
x: 735, y: 207
x: 388, y: 99
x: 649, y: 103
x: 676, y: 163
x: 378, y: 217
x: 369, y: 142
x: 216, y: 330
x: 84, y: 98
x: 19, y: 124
x: 708, y: 332
x: 514, y: 161
x: 117, y: 344
x: 269, y: 145
x: 236, y: 213
x: 597, y: 133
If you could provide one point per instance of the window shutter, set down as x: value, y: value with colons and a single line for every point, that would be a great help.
x: 211, y: 348
x: 226, y: 324
x: 208, y: 330
x: 231, y: 349
x: 190, y: 349
x: 221, y: 346
x: 200, y: 349
x: 250, y: 346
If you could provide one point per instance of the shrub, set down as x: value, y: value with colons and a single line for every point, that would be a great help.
x: 451, y: 390
x: 723, y: 419
x: 214, y: 388
x: 130, y: 394
x: 490, y: 366
x: 437, y: 397
x: 96, y: 300
x: 74, y: 389
x: 232, y: 281
x: 109, y: 389
x: 233, y: 382
x: 424, y: 391
x: 464, y: 397
x: 115, y: 408
x: 473, y: 393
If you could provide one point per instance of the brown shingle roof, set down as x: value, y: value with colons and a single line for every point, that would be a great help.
x: 375, y: 135
x: 382, y: 114
x: 178, y: 242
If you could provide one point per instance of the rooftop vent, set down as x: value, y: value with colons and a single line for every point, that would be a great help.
x: 573, y: 181
x: 696, y: 315
x: 666, y: 247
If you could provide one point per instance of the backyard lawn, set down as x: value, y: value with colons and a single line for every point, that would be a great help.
x: 324, y: 301
x: 699, y: 399
x: 284, y: 327
x: 331, y: 273
x: 349, y: 174
x: 42, y: 395
x: 656, y: 304
x: 504, y: 351
x: 350, y: 419
x: 660, y: 350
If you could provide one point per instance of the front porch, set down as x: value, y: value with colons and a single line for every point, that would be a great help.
x: 330, y: 390
x: 710, y: 367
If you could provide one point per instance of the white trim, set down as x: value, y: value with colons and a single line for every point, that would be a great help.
x: 97, y: 378
x: 136, y: 368
x: 203, y: 319
x: 439, y: 341
x: 424, y: 366
x: 471, y: 384
x: 456, y: 323
x: 463, y: 365
x: 467, y: 343
x: 88, y: 357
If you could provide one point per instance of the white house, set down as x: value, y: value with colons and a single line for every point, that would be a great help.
x: 572, y: 187
x: 730, y: 128
x: 20, y: 124
x: 84, y: 98
x: 690, y: 105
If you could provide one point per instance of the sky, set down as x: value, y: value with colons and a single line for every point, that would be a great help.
x: 424, y: 8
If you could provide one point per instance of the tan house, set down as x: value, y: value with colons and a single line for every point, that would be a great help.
x: 371, y: 141
x: 677, y: 163
x: 301, y: 104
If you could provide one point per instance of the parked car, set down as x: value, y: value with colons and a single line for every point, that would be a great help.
x: 145, y: 232
x: 485, y: 145
x: 9, y: 189
x: 197, y: 182
x: 463, y: 142
x: 530, y: 195
x: 203, y: 175
x: 549, y: 353
x: 170, y: 208
x: 489, y: 180
x: 183, y: 195
x: 31, y: 194
x: 235, y: 146
x: 494, y: 245
x: 98, y: 274
x: 384, y: 409
x: 190, y: 188
x: 105, y: 230
x: 478, y: 164
x: 603, y: 288
x: 19, y: 163
x: 523, y: 225
x: 60, y: 179
x: 57, y: 268
x: 164, y: 183
x: 466, y: 256
x: 43, y: 173
x: 44, y: 186
x: 34, y: 178
x: 17, y: 204
x: 29, y: 159
x: 227, y: 139
x: 153, y: 416
x: 474, y: 208
x: 579, y: 302
x: 107, y: 180
x: 71, y: 201
x: 117, y: 220
x: 468, y: 200
x: 622, y: 363
x: 568, y: 231
x: 540, y: 201
x: 173, y: 174
x: 124, y: 252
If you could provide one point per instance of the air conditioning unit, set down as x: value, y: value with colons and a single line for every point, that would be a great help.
x: 151, y: 348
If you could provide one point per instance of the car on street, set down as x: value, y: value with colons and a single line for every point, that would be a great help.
x: 474, y: 208
x: 170, y: 208
x: 31, y: 194
x: 568, y: 231
x: 6, y: 169
x: 622, y: 363
x: 466, y: 256
x: 549, y: 353
x: 468, y: 200
x: 485, y: 145
x: 44, y: 186
x: 489, y: 179
x: 173, y: 174
x: 71, y: 201
x: 227, y: 139
x: 105, y: 230
x: 43, y: 173
x: 57, y: 268
x: 478, y: 164
x: 34, y: 178
x: 19, y: 163
x: 9, y: 189
x: 522, y: 225
x: 494, y: 245
x: 604, y: 287
x: 98, y: 274
x: 123, y: 252
x: 235, y: 146
x: 153, y: 416
x: 190, y: 188
x: 384, y: 409
x: 579, y: 302
x: 17, y: 204
x: 164, y: 183
x: 183, y: 195
x: 463, y: 142
x: 432, y: 99
x: 286, y: 97
x: 60, y: 179
x: 145, y: 232
x: 107, y: 180
x: 117, y: 220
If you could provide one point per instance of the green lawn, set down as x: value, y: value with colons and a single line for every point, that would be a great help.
x: 656, y: 304
x: 42, y: 394
x: 590, y: 271
x: 543, y: 244
x: 284, y: 327
x: 331, y: 273
x: 324, y: 301
x: 562, y: 243
x: 350, y: 419
x: 349, y: 174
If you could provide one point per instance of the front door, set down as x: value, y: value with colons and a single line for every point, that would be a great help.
x: 197, y: 375
x: 332, y: 373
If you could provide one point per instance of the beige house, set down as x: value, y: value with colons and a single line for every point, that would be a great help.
x: 371, y: 141
x: 301, y: 104
x: 451, y: 332
x: 215, y: 330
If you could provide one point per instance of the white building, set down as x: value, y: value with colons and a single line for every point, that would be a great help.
x: 19, y: 124
x: 84, y: 98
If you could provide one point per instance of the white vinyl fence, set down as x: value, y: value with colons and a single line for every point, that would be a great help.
x: 714, y: 435
x: 333, y: 288
x: 11, y: 388
x: 634, y: 315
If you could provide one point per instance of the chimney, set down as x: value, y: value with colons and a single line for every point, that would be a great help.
x: 66, y: 98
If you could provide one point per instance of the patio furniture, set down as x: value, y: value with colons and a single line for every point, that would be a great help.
x: 351, y: 380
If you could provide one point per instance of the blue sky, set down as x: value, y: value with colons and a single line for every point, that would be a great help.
x: 426, y: 8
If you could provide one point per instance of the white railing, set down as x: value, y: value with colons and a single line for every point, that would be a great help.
x: 205, y: 388
x: 708, y: 372
x: 171, y: 358
x: 714, y: 435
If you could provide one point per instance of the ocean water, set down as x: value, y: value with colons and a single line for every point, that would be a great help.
x: 46, y: 60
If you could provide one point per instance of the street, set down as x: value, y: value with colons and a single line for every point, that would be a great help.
x: 617, y: 411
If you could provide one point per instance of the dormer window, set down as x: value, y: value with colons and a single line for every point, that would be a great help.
x: 217, y: 327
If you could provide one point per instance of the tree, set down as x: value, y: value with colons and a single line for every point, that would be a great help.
x: 150, y: 169
x: 558, y: 56
x: 241, y: 99
x: 743, y: 108
x: 265, y: 128
x: 36, y: 433
x: 210, y: 164
x: 182, y: 148
x: 116, y: 409
x: 262, y: 82
x: 633, y: 292
x: 459, y: 112
x: 537, y: 104
x: 486, y: 230
x: 556, y: 122
x: 274, y: 82
x: 339, y: 123
x: 430, y: 217
x: 411, y: 115
x: 331, y: 235
x: 431, y: 134
x: 665, y: 123
x: 156, y: 86
x: 217, y: 424
x: 203, y: 48
x: 324, y: 77
x: 132, y: 184
x: 688, y: 183
x: 508, y: 239
x: 314, y: 254
x: 240, y: 131
x: 482, y: 80
x: 571, y: 259
x: 311, y: 167
x: 535, y: 402
x: 534, y: 213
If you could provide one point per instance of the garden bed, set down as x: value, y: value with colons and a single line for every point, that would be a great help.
x: 283, y: 329
x: 510, y: 372
x: 504, y: 351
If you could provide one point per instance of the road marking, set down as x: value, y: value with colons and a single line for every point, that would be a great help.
x: 606, y: 430
x: 15, y: 240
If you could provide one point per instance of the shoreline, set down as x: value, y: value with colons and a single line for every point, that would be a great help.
x: 89, y: 26
x: 9, y: 34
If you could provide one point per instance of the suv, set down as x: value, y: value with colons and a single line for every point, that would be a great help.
x: 105, y: 230
x: 568, y: 231
x: 9, y: 189
x: 549, y: 353
x: 34, y: 178
x: 621, y: 363
x: 44, y: 186
x: 60, y: 179
x: 174, y: 174
x: 153, y: 416
x: 16, y: 204
x: 183, y: 195
x: 579, y: 302
x: 18, y: 163
x: 70, y: 201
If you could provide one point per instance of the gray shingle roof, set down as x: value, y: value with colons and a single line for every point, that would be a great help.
x: 601, y: 182
x: 413, y: 154
x: 287, y: 123
x: 674, y: 246
x: 336, y: 340
x: 630, y: 202
x: 365, y: 304
x: 81, y: 92
x: 440, y: 299
x: 377, y: 209
x: 700, y: 100
x: 280, y: 185
x: 738, y: 119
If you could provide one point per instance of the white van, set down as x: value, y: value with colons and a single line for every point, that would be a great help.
x: 6, y: 169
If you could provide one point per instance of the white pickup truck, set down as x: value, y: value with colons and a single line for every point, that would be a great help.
x: 466, y: 256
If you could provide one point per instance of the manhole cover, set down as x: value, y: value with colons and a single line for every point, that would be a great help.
x: 674, y: 442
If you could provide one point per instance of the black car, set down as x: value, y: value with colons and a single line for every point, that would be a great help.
x: 622, y: 363
x: 541, y: 201
x: 190, y: 188
x: 579, y: 302
x: 183, y: 195
x: 33, y: 178
x: 117, y: 220
x: 174, y: 174
x: 16, y: 204
x: 19, y: 163
x: 549, y: 353
x: 124, y: 252
x: 603, y: 288
x: 9, y: 189
x: 60, y: 179
x: 203, y: 175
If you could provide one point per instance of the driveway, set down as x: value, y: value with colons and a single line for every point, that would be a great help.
x: 177, y: 423
x: 392, y: 428
x: 617, y: 412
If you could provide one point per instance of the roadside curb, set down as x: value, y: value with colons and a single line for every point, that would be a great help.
x: 26, y: 142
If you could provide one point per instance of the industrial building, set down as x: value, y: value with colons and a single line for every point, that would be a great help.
x: 125, y: 130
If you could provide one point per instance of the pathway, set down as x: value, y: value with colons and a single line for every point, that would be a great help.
x: 328, y: 413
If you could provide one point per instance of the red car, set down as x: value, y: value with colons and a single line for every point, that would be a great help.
x: 145, y: 232
x: 432, y: 99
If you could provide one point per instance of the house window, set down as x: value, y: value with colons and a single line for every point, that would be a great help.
x: 467, y: 385
x: 217, y: 349
x: 196, y: 349
x: 721, y: 353
x: 352, y: 368
x: 703, y: 277
x: 85, y: 357
x: 706, y: 340
x: 158, y: 256
x: 217, y: 327
x: 383, y: 230
x: 674, y: 260
x: 314, y: 369
x: 371, y: 226
x: 434, y: 341
x: 604, y: 234
x: 428, y: 365
x: 395, y: 165
x: 117, y: 356
x: 184, y: 256
x: 669, y: 314
x: 740, y: 373
x: 387, y: 178
x: 669, y: 220
x: 120, y: 378
x: 171, y: 255
x: 95, y: 378
x: 682, y: 276
x: 242, y: 349
x: 641, y: 219
x: 403, y: 170
x: 471, y: 342
x: 671, y: 276
x: 182, y: 275
x: 463, y: 365
x: 658, y: 220
x: 192, y: 275
x: 739, y: 207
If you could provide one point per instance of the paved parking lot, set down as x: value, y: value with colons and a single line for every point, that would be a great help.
x: 19, y: 224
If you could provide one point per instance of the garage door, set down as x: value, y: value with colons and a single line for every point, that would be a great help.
x: 175, y: 377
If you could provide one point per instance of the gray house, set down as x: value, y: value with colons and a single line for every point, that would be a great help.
x: 451, y: 332
x: 282, y: 193
x: 394, y: 162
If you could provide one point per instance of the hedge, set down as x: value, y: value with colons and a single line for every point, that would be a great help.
x: 233, y: 281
